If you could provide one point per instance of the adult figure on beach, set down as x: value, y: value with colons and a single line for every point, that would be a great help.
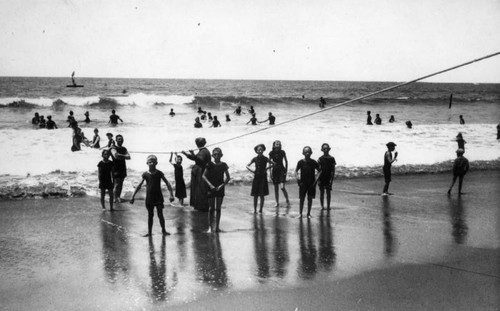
x: 322, y: 102
x: 113, y: 118
x: 50, y: 123
x: 460, y: 168
x: 270, y: 118
x: 198, y: 195
x: 119, y: 154
x: 460, y: 142
x: 462, y: 121
x: 36, y: 119
x: 369, y: 118
x: 388, y: 160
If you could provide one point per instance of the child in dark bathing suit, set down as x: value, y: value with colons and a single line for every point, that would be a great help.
x: 180, y: 185
x: 105, y: 174
x: 214, y: 177
x: 259, y: 184
x: 154, y: 196
x: 327, y: 166
x: 307, y: 179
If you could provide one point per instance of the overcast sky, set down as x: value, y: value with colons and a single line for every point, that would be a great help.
x: 366, y: 40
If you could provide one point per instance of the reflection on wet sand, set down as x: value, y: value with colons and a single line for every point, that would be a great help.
x: 280, y: 247
x: 210, y: 265
x: 459, y: 226
x: 389, y: 244
x: 307, y: 262
x: 327, y: 254
x: 158, y: 271
x: 180, y: 224
x: 115, y: 247
x: 260, y: 246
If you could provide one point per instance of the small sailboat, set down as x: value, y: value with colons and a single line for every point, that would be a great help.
x: 73, y: 81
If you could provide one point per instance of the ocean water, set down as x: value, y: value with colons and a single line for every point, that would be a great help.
x: 38, y: 160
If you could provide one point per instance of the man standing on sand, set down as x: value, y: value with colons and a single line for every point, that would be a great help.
x: 119, y: 154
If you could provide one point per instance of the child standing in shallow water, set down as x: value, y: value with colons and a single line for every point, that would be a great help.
x: 327, y: 166
x: 105, y: 173
x: 214, y: 177
x: 278, y: 172
x: 259, y: 184
x: 154, y: 196
x: 307, y: 179
x: 460, y: 168
x: 180, y: 185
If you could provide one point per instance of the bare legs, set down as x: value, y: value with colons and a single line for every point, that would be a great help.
x: 460, y: 180
x: 277, y: 194
x: 103, y: 196
x: 151, y: 215
x: 255, y: 200
x: 214, y: 214
x: 309, y: 205
x: 322, y: 198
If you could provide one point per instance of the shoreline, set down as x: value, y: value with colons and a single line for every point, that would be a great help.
x: 48, y: 190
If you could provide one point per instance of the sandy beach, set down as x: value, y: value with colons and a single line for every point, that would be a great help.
x: 418, y: 249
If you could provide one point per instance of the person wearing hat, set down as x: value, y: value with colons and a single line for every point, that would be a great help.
x: 388, y: 160
x: 198, y: 195
x: 154, y: 196
x: 460, y: 168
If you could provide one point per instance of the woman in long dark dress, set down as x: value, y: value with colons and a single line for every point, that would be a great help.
x: 198, y: 194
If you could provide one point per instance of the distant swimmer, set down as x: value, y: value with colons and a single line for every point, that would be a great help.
x: 388, y: 160
x: 36, y: 119
x: 215, y: 122
x: 210, y: 118
x: 322, y: 102
x: 391, y: 119
x: 113, y: 118
x: 96, y: 141
x: 251, y: 110
x: 197, y: 123
x: 203, y: 116
x: 227, y: 118
x: 378, y: 120
x: 369, y: 118
x: 460, y: 168
x: 460, y: 141
x: 253, y: 120
x: 201, y: 110
x: 172, y: 113
x: 71, y: 120
x: 271, y: 119
x: 408, y: 124
x: 41, y: 124
x: 50, y: 123
x: 237, y: 111
x: 462, y: 121
x: 87, y: 119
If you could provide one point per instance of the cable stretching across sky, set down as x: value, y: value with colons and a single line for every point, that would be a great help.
x: 335, y: 106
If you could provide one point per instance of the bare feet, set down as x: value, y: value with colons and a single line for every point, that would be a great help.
x: 147, y: 235
x: 165, y: 233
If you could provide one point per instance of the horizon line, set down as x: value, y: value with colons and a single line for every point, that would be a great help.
x: 241, y: 79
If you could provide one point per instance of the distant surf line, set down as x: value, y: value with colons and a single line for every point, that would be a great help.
x: 331, y: 107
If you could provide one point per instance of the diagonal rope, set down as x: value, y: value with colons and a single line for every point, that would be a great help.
x: 334, y: 106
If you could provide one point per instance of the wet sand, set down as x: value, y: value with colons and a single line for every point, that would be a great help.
x: 418, y: 249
